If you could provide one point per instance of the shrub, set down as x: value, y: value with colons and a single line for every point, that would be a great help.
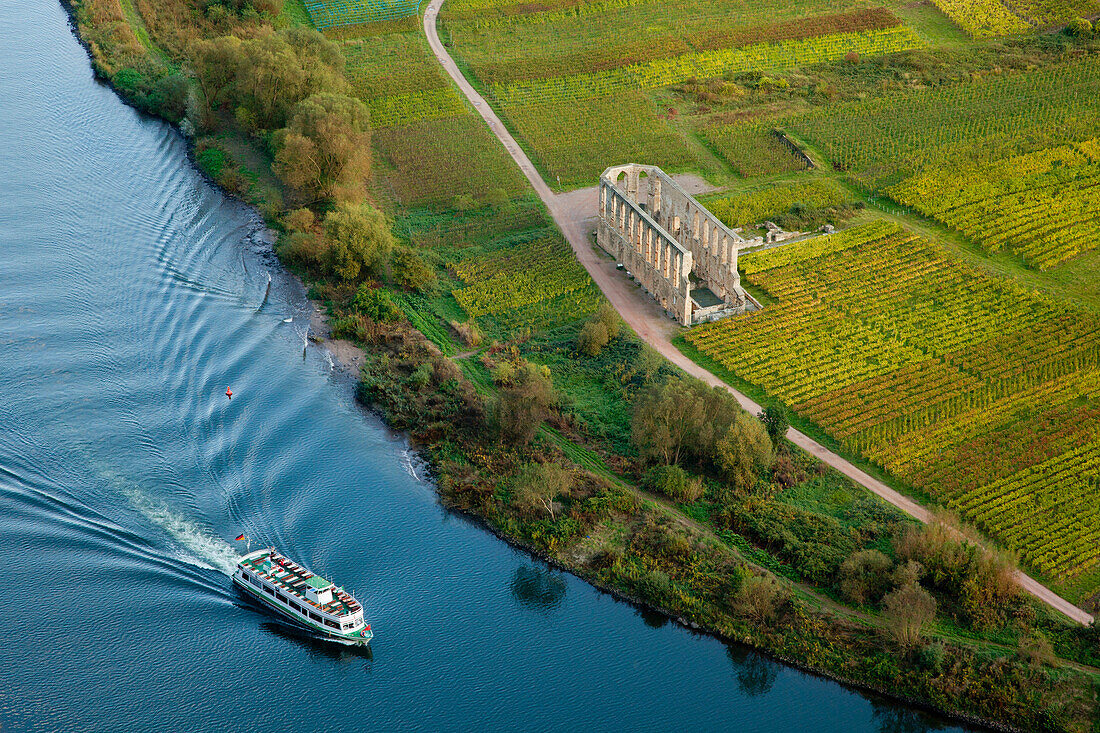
x: 305, y: 249
x: 864, y: 576
x: 932, y: 657
x: 675, y: 483
x: 592, y: 338
x: 907, y: 610
x: 375, y: 304
x: 1036, y: 651
x: 411, y: 271
x: 609, y: 317
x: 469, y: 333
x: 776, y: 422
x: 759, y: 597
x: 1079, y: 28
x: 539, y: 484
x: 300, y: 220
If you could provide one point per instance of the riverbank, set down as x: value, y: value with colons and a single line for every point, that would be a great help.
x: 732, y: 579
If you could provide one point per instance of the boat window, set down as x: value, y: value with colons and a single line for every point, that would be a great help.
x: 295, y: 606
x: 254, y: 580
x: 269, y: 591
x: 281, y: 597
x: 314, y: 616
x: 333, y: 624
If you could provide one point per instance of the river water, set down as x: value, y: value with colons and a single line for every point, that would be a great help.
x: 131, y: 295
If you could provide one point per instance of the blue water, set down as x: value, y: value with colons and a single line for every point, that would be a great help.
x: 131, y: 295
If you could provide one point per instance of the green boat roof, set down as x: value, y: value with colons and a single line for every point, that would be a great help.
x: 317, y: 582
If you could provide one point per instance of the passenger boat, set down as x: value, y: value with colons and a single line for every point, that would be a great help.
x: 307, y: 599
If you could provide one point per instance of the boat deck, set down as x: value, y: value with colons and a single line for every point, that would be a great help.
x: 293, y: 579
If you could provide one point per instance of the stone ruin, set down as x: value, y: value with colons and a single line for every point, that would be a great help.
x: 677, y: 250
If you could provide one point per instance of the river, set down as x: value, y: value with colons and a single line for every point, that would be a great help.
x: 132, y: 294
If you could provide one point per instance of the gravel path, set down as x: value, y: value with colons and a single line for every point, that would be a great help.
x: 575, y: 212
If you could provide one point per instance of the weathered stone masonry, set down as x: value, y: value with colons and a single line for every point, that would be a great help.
x: 665, y: 239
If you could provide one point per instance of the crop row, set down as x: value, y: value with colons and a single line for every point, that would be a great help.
x: 538, y: 271
x: 883, y: 141
x: 756, y: 206
x: 1044, y: 205
x: 336, y: 13
x: 549, y: 61
x: 982, y: 18
x: 706, y: 65
x: 1050, y: 509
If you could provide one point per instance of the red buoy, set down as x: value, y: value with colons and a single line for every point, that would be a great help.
x: 229, y: 393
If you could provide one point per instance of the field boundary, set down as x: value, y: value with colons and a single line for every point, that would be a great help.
x: 655, y: 329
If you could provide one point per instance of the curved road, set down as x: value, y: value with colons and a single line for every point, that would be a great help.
x: 650, y: 323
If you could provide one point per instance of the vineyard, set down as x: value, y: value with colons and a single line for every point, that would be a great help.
x: 753, y: 207
x: 577, y: 140
x: 430, y: 147
x: 989, y: 18
x: 538, y: 284
x: 1043, y: 205
x: 327, y: 14
x: 983, y: 394
x: 751, y: 149
x: 453, y: 162
x: 400, y: 81
x: 982, y: 18
x: 989, y: 158
x: 705, y: 65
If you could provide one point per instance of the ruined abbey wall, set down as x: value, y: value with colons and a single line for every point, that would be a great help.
x: 664, y: 236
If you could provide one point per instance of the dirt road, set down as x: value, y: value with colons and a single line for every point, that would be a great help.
x: 574, y: 213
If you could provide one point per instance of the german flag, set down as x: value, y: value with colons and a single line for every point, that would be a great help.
x: 240, y: 537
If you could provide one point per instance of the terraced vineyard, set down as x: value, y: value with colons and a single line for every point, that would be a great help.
x: 982, y: 393
x: 988, y: 158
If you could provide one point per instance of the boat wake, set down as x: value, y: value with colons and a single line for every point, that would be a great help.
x: 196, y: 544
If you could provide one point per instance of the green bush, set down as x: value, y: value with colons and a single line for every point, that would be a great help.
x: 411, y: 271
x: 376, y: 304
x: 1079, y: 28
x: 592, y: 338
x: 675, y: 483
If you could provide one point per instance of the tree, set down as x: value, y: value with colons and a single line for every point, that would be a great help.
x: 359, y: 239
x: 682, y: 418
x: 524, y: 403
x: 324, y: 151
x: 907, y: 610
x: 264, y: 77
x: 776, y: 422
x: 864, y: 576
x: 539, y: 484
x: 592, y: 338
x: 743, y: 452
